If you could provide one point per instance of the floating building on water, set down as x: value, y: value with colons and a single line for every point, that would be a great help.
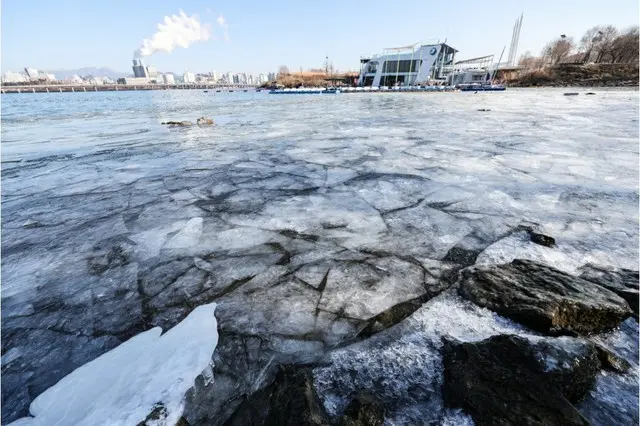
x: 407, y: 66
x: 420, y: 64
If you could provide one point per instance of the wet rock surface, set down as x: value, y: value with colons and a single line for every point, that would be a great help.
x: 328, y: 238
x: 541, y: 239
x: 365, y: 409
x: 544, y: 298
x: 507, y: 380
x: 290, y: 401
x: 624, y: 282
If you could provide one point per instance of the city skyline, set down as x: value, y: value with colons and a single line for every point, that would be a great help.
x: 258, y: 38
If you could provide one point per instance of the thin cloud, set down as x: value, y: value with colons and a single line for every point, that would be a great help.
x: 222, y: 22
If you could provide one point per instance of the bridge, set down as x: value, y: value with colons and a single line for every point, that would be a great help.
x: 59, y: 88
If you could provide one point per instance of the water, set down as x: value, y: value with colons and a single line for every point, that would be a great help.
x: 113, y: 223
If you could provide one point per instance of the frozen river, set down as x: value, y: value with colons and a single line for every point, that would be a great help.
x: 302, y: 217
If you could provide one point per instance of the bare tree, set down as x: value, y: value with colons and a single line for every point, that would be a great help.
x: 624, y: 48
x: 283, y: 70
x: 528, y: 61
x: 557, y: 50
x: 589, y: 41
x: 604, y: 44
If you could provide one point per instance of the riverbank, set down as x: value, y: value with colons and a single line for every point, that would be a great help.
x: 591, y: 75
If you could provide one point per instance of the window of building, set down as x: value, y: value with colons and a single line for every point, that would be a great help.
x: 401, y: 66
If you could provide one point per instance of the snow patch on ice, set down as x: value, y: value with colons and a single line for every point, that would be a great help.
x: 122, y: 386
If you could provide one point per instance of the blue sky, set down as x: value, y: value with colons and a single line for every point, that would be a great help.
x: 263, y: 35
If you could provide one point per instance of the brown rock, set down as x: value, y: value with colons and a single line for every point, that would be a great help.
x: 204, y: 121
x: 543, y: 298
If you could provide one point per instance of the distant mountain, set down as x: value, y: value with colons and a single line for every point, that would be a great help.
x: 96, y: 72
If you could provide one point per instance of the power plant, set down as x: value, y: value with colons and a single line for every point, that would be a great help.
x: 139, y: 69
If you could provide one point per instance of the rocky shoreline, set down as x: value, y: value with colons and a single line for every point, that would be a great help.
x: 526, y: 378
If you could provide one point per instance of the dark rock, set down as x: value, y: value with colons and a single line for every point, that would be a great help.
x: 461, y: 256
x: 571, y: 94
x: 611, y: 361
x: 178, y: 123
x: 502, y: 380
x: 242, y: 366
x: 624, y: 282
x: 159, y: 412
x: 543, y: 298
x: 484, y: 109
x: 290, y: 400
x: 569, y: 364
x: 541, y: 239
x: 589, y: 93
x: 365, y: 409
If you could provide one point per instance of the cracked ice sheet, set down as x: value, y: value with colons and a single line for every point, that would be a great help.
x: 123, y: 385
x: 311, y: 214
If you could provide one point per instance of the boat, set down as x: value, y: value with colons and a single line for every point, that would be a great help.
x: 305, y: 91
x: 476, y: 87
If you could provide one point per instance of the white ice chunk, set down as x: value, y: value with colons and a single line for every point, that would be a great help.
x: 122, y: 386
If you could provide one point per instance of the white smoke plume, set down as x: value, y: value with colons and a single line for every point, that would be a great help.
x: 176, y: 31
x: 223, y: 23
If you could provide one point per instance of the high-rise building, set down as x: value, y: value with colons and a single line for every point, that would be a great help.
x: 230, y: 78
x: 272, y: 76
x: 215, y: 76
x: 139, y: 70
x: 189, y: 77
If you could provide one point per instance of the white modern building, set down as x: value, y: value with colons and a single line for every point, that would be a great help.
x: 474, y: 70
x: 168, y: 78
x: 407, y: 66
